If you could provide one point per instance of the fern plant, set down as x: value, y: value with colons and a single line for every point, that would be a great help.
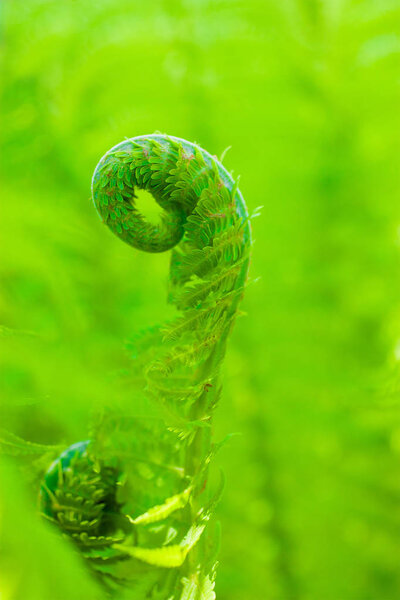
x: 136, y: 499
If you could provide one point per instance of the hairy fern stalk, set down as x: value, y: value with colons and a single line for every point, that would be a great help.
x: 142, y: 516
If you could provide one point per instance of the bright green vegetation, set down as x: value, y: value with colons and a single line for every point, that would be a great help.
x: 306, y: 93
x: 176, y: 370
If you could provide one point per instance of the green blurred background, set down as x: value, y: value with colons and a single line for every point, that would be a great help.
x: 307, y: 94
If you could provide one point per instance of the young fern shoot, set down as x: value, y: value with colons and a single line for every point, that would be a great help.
x: 163, y: 551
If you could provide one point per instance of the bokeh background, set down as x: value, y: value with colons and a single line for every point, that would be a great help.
x: 306, y: 93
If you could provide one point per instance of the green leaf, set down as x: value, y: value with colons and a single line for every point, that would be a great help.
x: 168, y: 556
x: 162, y: 511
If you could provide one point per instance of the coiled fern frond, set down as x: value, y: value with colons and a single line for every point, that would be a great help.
x: 163, y: 550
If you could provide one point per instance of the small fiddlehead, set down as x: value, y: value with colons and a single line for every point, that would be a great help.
x: 204, y: 222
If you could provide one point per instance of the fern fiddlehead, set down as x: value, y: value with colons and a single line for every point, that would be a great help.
x: 205, y: 224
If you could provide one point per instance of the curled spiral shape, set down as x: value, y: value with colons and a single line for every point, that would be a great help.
x: 78, y: 494
x: 176, y: 172
x: 204, y: 215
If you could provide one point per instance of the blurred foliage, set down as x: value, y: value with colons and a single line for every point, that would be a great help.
x: 307, y: 94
